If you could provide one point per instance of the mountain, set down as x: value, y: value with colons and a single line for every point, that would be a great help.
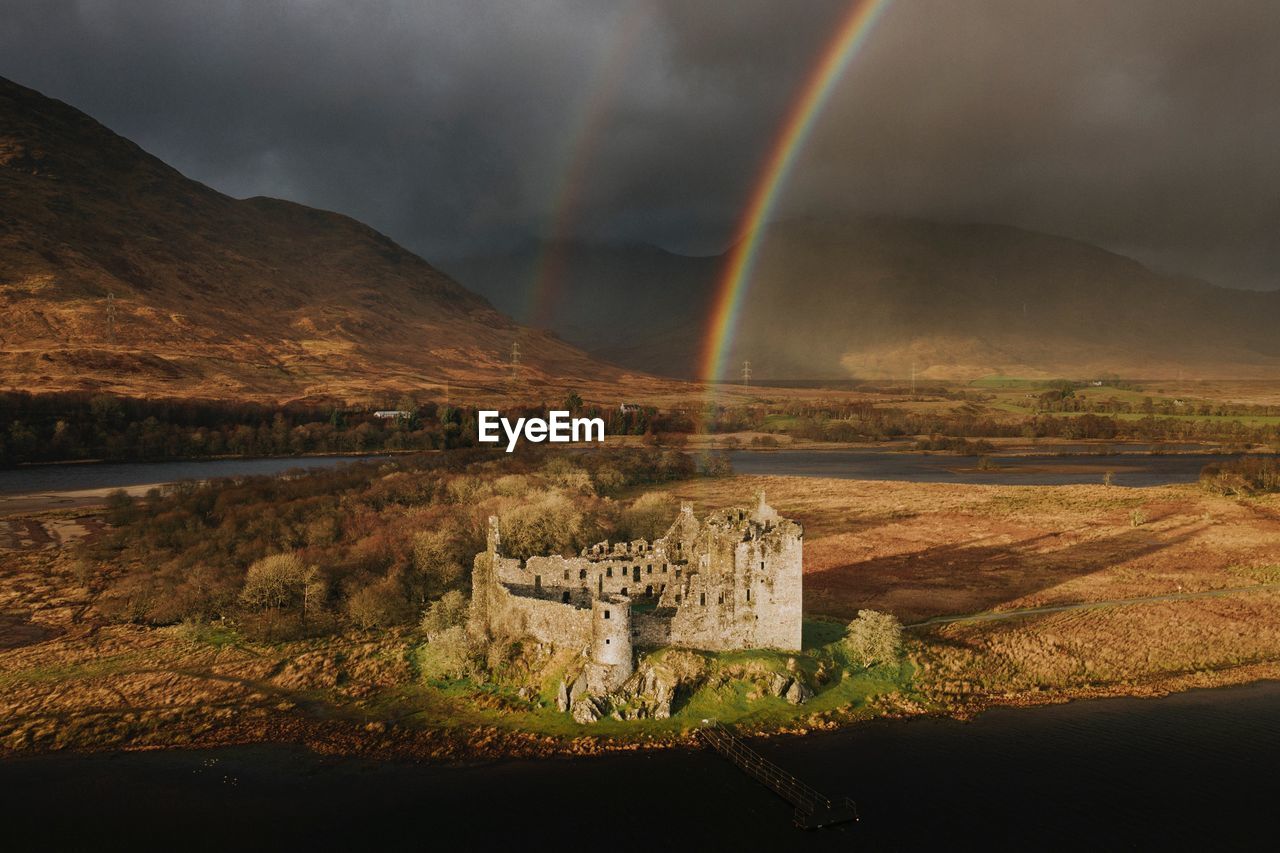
x: 876, y: 297
x: 118, y: 273
x: 626, y: 304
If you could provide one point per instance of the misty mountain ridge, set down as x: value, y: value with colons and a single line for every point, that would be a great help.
x: 879, y: 297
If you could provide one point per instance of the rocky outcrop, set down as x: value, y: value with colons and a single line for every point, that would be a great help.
x: 588, y: 709
x: 562, y: 697
x: 798, y: 692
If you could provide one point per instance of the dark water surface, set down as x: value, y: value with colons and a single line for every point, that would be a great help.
x: 110, y: 475
x: 1129, y: 469
x: 1194, y: 769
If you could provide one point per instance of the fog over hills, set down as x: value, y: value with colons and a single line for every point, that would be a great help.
x: 118, y: 273
x: 875, y: 297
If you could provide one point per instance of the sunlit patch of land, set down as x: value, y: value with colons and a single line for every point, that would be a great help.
x: 1125, y: 560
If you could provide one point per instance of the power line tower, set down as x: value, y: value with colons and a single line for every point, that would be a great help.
x: 515, y: 365
x: 111, y: 317
x: 746, y: 373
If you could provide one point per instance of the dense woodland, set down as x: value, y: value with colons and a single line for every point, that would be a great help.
x: 364, y: 545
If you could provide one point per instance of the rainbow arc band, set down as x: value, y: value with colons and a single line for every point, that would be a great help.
x: 844, y: 45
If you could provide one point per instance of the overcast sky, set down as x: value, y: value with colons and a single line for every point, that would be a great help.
x: 1151, y: 127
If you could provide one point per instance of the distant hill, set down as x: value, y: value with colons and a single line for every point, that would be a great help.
x: 873, y: 297
x: 630, y: 304
x: 218, y: 297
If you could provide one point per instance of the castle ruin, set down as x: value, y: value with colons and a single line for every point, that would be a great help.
x: 732, y: 581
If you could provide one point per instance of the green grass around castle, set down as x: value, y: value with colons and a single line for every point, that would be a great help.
x: 730, y: 693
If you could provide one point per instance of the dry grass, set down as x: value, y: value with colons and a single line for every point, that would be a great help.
x: 70, y: 678
x: 921, y: 550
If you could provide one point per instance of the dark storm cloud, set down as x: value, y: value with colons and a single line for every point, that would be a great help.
x: 1148, y: 126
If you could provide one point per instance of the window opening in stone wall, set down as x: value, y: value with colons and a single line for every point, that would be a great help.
x: 748, y: 593
x: 608, y: 571
x: 648, y: 590
x: 702, y: 599
x: 582, y: 574
x: 537, y: 581
x: 565, y: 597
x: 606, y: 614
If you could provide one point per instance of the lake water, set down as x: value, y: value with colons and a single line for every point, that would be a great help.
x: 108, y: 475
x: 1129, y: 469
x: 1195, y: 768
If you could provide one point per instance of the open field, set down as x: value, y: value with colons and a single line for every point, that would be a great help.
x: 924, y: 550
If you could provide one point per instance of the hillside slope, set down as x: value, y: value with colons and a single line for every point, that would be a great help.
x: 875, y: 297
x: 219, y: 297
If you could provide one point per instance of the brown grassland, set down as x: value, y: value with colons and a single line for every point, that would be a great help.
x: 1207, y: 565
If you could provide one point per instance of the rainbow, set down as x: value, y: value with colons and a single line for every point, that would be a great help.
x: 849, y: 37
x: 585, y: 137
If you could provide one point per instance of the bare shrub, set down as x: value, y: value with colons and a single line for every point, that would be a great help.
x: 277, y: 582
x: 551, y: 525
x: 379, y: 604
x: 873, y: 638
x: 437, y: 559
x: 450, y: 654
x: 448, y: 611
x: 650, y: 515
x: 512, y: 486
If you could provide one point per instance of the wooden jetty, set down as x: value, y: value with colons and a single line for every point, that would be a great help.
x: 812, y: 808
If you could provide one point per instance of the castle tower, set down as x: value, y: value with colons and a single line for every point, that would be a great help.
x: 484, y: 582
x: 610, y: 642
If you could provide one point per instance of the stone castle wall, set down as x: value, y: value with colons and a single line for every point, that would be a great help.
x: 732, y: 582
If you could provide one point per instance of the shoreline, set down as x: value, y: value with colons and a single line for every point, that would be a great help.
x: 391, y: 741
